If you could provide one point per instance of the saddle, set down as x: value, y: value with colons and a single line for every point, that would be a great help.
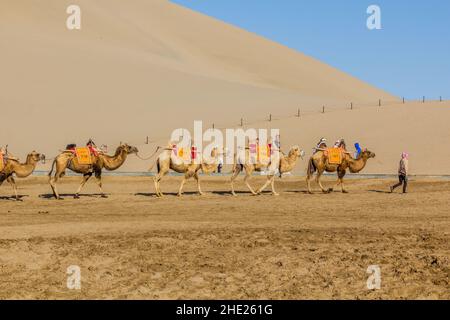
x: 83, y: 154
x: 335, y: 155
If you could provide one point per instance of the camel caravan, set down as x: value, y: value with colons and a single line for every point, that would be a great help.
x: 267, y: 159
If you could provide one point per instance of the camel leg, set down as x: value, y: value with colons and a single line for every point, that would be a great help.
x: 260, y: 190
x: 12, y: 182
x: 273, y: 187
x: 337, y: 185
x: 98, y: 178
x: 157, y: 181
x: 53, y: 181
x: 236, y: 172
x: 159, y: 185
x: 341, y: 180
x: 319, y: 174
x: 196, y: 177
x: 247, y: 177
x: 180, y: 190
x: 186, y: 177
x: 86, y: 177
x: 61, y: 166
x: 308, y: 183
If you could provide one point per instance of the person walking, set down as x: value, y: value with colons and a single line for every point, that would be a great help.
x: 402, y: 173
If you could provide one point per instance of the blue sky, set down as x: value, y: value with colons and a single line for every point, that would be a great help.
x: 409, y: 57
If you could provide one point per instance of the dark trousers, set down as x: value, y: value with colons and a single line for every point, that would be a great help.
x: 402, y: 180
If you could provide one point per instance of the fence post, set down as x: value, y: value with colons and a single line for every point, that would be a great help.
x: 298, y: 113
x: 323, y: 109
x: 270, y: 117
x: 351, y: 106
x: 440, y: 99
x: 242, y: 122
x: 213, y: 126
x: 403, y: 100
x: 423, y: 99
x: 379, y: 102
x: 146, y: 140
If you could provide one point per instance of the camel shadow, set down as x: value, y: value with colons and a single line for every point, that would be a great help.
x: 72, y: 195
x: 142, y: 194
x: 13, y: 198
x: 296, y: 191
x: 228, y: 193
x: 380, y: 191
x: 174, y: 194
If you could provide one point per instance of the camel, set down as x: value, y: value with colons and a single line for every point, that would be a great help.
x: 68, y: 160
x: 167, y: 161
x: 319, y: 162
x: 21, y: 170
x: 285, y: 164
x: 278, y: 162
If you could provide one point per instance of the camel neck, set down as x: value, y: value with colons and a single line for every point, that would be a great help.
x: 356, y: 165
x: 114, y: 162
x: 25, y: 169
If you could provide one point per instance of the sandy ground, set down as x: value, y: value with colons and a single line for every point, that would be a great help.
x: 296, y: 246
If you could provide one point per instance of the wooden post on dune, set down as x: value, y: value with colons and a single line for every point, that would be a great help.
x: 440, y: 99
x: 213, y: 126
x: 351, y: 106
x: 379, y: 102
x: 298, y: 113
x: 146, y: 140
x: 323, y: 109
x: 242, y: 122
x: 423, y: 101
x: 270, y: 117
x: 403, y: 100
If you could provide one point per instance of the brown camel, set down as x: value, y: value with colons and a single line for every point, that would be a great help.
x: 21, y: 170
x: 278, y: 162
x: 319, y: 162
x: 68, y: 160
x: 167, y: 161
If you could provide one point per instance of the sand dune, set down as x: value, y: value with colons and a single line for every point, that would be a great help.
x: 146, y: 68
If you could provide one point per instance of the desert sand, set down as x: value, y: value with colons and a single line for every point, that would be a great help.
x: 296, y: 246
x: 142, y: 69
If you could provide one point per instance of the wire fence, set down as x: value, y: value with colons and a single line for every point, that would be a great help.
x: 299, y: 113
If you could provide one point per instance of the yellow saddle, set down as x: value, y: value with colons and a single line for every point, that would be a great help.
x: 83, y: 155
x: 334, y: 155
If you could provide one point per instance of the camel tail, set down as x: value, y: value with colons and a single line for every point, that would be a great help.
x: 311, y: 167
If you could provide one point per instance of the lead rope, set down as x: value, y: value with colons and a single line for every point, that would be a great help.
x: 148, y: 158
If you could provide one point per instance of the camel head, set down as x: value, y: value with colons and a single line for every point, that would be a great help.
x: 366, y: 154
x: 296, y: 152
x: 129, y: 149
x: 35, y: 157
